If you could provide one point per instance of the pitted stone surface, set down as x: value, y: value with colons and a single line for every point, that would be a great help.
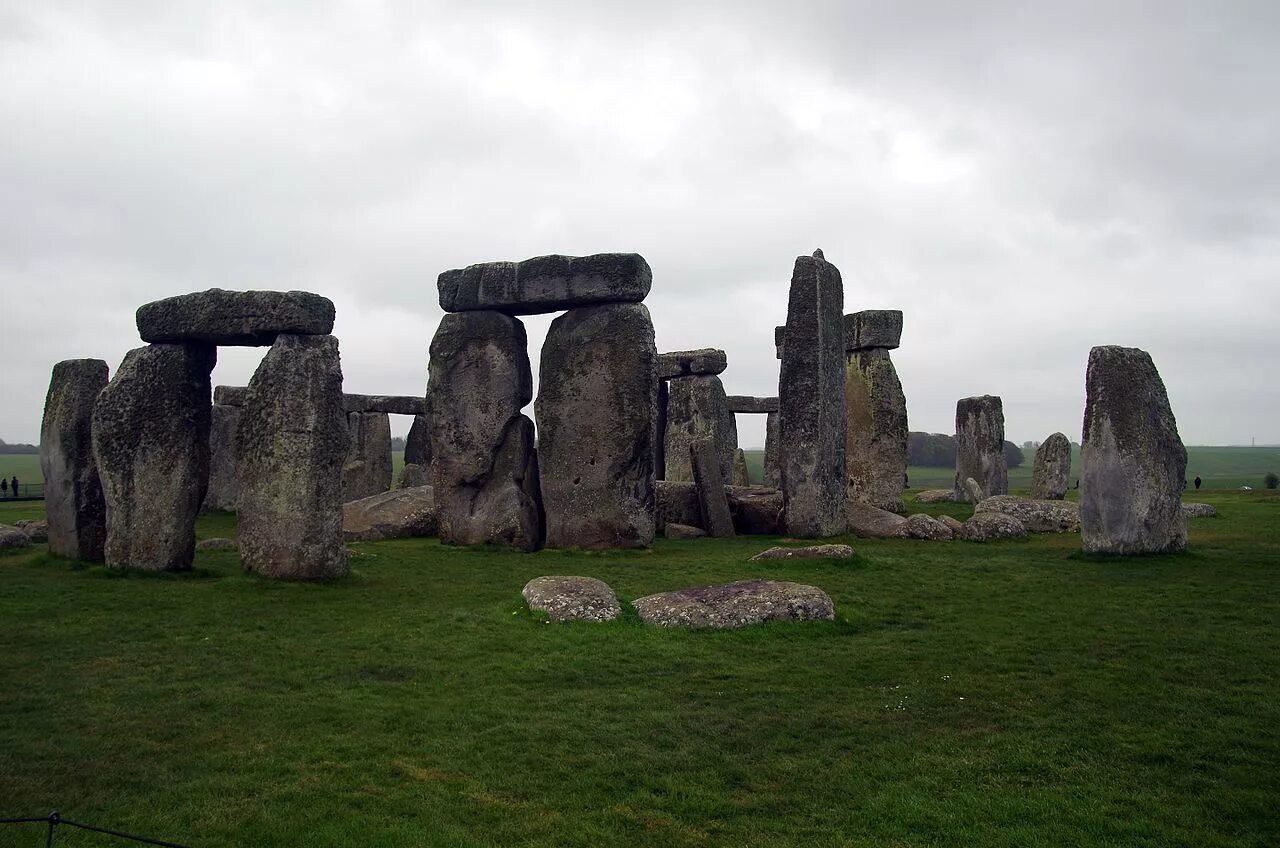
x: 876, y: 430
x: 873, y: 329
x: 390, y: 515
x: 686, y: 363
x: 955, y: 525
x: 683, y: 531
x: 36, y: 529
x: 216, y: 544
x: 980, y: 447
x: 1051, y: 471
x: 392, y: 404
x: 413, y: 475
x: 756, y: 510
x: 779, y: 336
x: 930, y: 496
x: 230, y: 395
x: 808, y: 552
x: 733, y: 605
x: 741, y: 474
x: 1199, y: 510
x: 1038, y: 516
x: 698, y: 409
x: 73, y: 502
x: 546, y: 283
x: 772, y: 452
x: 746, y: 404
x: 11, y: 538
x: 572, y: 598
x: 923, y: 526
x: 223, y: 489
x: 713, y: 505
x: 973, y: 491
x: 221, y: 317
x: 367, y: 468
x: 417, y: 445
x: 871, y: 522
x: 985, y: 526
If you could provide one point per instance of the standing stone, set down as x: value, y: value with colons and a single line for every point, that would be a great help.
x: 697, y: 408
x: 485, y: 469
x: 811, y: 402
x: 293, y: 438
x: 660, y: 433
x: 713, y: 504
x: 772, y: 451
x: 1133, y: 463
x: 980, y: 447
x: 741, y: 474
x: 73, y: 501
x: 1051, y: 471
x: 596, y: 411
x: 367, y: 469
x: 417, y: 445
x: 151, y: 444
x: 223, y: 488
x: 876, y: 434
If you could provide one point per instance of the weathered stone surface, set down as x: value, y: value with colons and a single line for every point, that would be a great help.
x: 873, y: 329
x: 596, y: 409
x: 1037, y: 516
x: 686, y: 363
x: 484, y: 464
x: 660, y: 433
x: 1133, y: 463
x: 1194, y: 510
x: 413, y: 475
x: 871, y: 522
x: 216, y: 544
x: 546, y: 283
x: 876, y: 430
x: 392, y: 404
x: 151, y: 445
x: 985, y: 526
x: 811, y: 402
x: 683, y: 531
x: 11, y: 538
x: 772, y: 452
x: 73, y: 501
x: 417, y: 445
x: 698, y: 409
x: 223, y: 489
x: 1051, y: 471
x: 923, y: 526
x: 36, y: 529
x: 367, y: 468
x: 973, y: 491
x: 808, y: 552
x: 293, y: 438
x: 390, y: 515
x: 929, y: 496
x: 741, y: 475
x: 676, y: 503
x: 749, y: 405
x: 734, y: 605
x: 955, y: 525
x: 713, y: 505
x: 779, y: 335
x: 572, y: 598
x: 221, y: 317
x: 980, y: 447
x: 756, y: 510
x: 230, y: 395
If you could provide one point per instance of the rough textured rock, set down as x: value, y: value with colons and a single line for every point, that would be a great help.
x: 873, y: 329
x: 223, y: 489
x: 546, y: 283
x: 923, y: 526
x: 955, y: 525
x: 779, y: 335
x: 484, y: 467
x: 390, y: 515
x: 1051, y: 471
x: 683, y: 531
x: 676, y: 503
x: 222, y: 317
x: 698, y: 409
x: 36, y: 530
x: 596, y: 409
x: 1132, y: 463
x: 230, y: 395
x: 973, y: 491
x: 1037, y: 516
x: 216, y: 544
x: 11, y: 538
x: 741, y: 475
x: 686, y: 363
x: 367, y: 468
x: 809, y: 552
x: 412, y: 475
x: 929, y: 496
x: 417, y: 445
x: 756, y: 510
x: 876, y: 430
x: 660, y: 433
x: 572, y: 598
x: 980, y: 446
x: 738, y: 604
x: 1194, y: 510
x: 73, y: 501
x: 811, y: 402
x: 293, y: 438
x: 985, y: 526
x: 392, y: 404
x: 871, y: 522
x: 713, y: 505
x: 772, y: 452
x: 752, y: 405
x: 151, y: 445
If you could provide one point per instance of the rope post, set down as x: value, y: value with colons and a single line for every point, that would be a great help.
x: 54, y: 818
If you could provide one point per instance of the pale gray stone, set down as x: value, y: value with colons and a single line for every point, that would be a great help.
x: 36, y: 529
x: 870, y: 522
x: 698, y: 409
x: 808, y: 552
x: 216, y: 544
x: 221, y: 317
x: 1037, y: 516
x: 930, y: 496
x: 955, y: 525
x: 733, y: 605
x: 749, y: 405
x: 396, y: 514
x: 73, y: 502
x: 224, y: 428
x: 1199, y: 510
x: 986, y: 526
x: 546, y: 283
x: 1051, y: 471
x: 683, y: 531
x: 11, y: 538
x: 685, y: 363
x: 741, y: 474
x: 973, y: 491
x: 876, y: 430
x: 980, y: 447
x: 572, y: 598
x: 367, y: 468
x: 713, y: 504
x: 923, y: 526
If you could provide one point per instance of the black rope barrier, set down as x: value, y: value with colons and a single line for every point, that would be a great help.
x: 55, y: 819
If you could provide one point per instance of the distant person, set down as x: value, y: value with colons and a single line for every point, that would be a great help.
x: 13, y: 484
x: 1077, y: 482
x: 1197, y: 481
x: 4, y: 488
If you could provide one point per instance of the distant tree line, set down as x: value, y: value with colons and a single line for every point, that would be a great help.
x: 6, y: 448
x: 397, y: 443
x: 936, y: 450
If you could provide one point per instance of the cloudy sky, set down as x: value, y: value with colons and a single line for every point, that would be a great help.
x: 1024, y: 180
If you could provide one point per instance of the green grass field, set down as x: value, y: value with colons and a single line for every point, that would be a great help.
x: 1006, y: 694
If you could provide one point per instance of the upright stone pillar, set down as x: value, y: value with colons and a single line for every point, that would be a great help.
x: 697, y: 408
x: 980, y: 447
x: 73, y: 502
x: 1051, y: 471
x: 292, y: 441
x: 367, y: 469
x: 597, y: 411
x: 417, y: 445
x: 1133, y: 463
x: 223, y: 486
x: 772, y: 452
x: 485, y: 468
x: 876, y: 409
x: 811, y: 401
x: 151, y: 445
x: 660, y: 433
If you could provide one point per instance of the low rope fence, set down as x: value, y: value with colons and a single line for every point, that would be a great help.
x: 55, y: 820
x: 24, y: 492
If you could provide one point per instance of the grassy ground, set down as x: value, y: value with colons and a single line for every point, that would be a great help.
x: 1011, y: 693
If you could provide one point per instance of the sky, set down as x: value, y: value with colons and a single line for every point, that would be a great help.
x: 1023, y: 180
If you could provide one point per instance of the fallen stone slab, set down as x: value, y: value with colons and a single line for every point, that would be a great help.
x: 756, y: 510
x: 733, y: 605
x: 220, y: 317
x: 216, y: 544
x: 37, y: 530
x: 955, y: 525
x: 546, y: 283
x: 930, y: 496
x: 748, y: 405
x: 392, y: 404
x: 870, y: 522
x: 687, y: 363
x: 1037, y: 516
x: 572, y: 598
x: 873, y: 329
x: 399, y: 513
x: 683, y: 531
x: 807, y: 552
x: 922, y: 526
x: 11, y: 538
x: 986, y: 526
x: 1199, y: 510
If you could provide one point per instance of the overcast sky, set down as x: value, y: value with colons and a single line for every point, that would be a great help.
x: 1024, y: 181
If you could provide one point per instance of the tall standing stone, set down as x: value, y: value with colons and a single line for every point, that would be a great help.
x: 660, y: 433
x: 811, y: 401
x: 223, y: 486
x: 292, y: 441
x: 697, y: 408
x: 73, y: 502
x: 596, y: 411
x: 876, y: 409
x: 367, y: 469
x: 713, y: 503
x: 485, y: 468
x: 980, y: 447
x: 417, y: 445
x: 1051, y: 471
x: 151, y: 444
x: 772, y: 452
x: 741, y: 474
x: 1133, y: 463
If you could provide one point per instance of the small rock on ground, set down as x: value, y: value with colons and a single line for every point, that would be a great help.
x: 683, y: 531
x: 216, y: 544
x: 1199, y: 510
x: 985, y: 526
x: 923, y: 526
x: 572, y: 598
x: 809, y: 552
x: 733, y: 605
x: 12, y: 537
x: 36, y: 530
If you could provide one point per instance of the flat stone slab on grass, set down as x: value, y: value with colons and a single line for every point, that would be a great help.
x: 1199, y: 510
x: 396, y: 514
x: 683, y: 531
x: 12, y: 538
x: 216, y: 544
x: 923, y: 526
x: 733, y: 605
x: 546, y: 283
x: 1042, y: 516
x: 808, y: 552
x: 248, y: 318
x: 931, y: 496
x: 985, y: 526
x: 572, y: 598
x: 871, y: 522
